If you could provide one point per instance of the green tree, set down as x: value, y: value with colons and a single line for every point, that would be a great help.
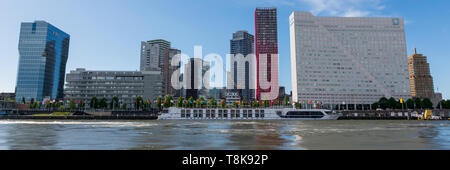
x: 81, y: 105
x: 245, y: 103
x: 427, y: 104
x: 103, y: 104
x: 23, y: 100
x: 298, y: 105
x: 418, y: 103
x: 158, y: 103
x: 138, y: 103
x: 180, y: 102
x: 212, y: 102
x: 392, y: 103
x: 410, y: 104
x: 286, y: 101
x: 190, y: 102
x: 124, y: 106
x: 94, y: 103
x: 255, y: 104
x: 168, y: 101
x: 72, y: 105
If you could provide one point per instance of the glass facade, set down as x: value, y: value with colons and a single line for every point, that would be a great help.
x: 266, y: 41
x: 340, y: 60
x: 242, y: 43
x: 43, y: 54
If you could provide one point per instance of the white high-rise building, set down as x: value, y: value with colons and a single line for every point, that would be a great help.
x: 350, y: 61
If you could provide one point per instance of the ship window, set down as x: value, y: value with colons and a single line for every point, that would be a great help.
x: 183, y: 111
x: 200, y: 115
x: 208, y: 115
x: 245, y: 114
x: 262, y: 115
x: 256, y: 114
x: 225, y: 115
x: 238, y: 115
x: 250, y: 115
x: 183, y: 115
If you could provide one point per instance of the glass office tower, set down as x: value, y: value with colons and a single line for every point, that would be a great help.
x: 43, y: 54
x: 266, y: 41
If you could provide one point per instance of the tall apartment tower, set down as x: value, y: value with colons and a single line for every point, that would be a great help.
x: 351, y: 61
x: 242, y: 45
x: 420, y: 78
x: 43, y: 54
x: 157, y: 55
x: 266, y: 40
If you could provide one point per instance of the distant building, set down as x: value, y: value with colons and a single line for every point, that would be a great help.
x: 169, y: 69
x: 158, y: 54
x: 7, y: 96
x: 420, y: 78
x: 242, y: 45
x: 43, y: 54
x: 282, y: 93
x: 266, y: 42
x: 83, y: 85
x: 344, y: 60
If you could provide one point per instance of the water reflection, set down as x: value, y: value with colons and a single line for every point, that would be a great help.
x: 224, y: 135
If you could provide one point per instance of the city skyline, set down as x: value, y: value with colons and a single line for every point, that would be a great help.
x: 80, y: 53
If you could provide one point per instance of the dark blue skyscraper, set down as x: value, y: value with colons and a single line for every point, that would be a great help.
x: 43, y: 54
x: 242, y: 43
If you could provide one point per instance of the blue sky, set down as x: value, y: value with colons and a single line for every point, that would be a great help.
x: 106, y: 34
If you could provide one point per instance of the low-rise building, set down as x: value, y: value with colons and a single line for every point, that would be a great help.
x: 83, y: 85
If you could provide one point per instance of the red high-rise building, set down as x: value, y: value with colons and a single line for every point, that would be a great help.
x: 266, y: 42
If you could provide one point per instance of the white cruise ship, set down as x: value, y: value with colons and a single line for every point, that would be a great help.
x: 246, y: 114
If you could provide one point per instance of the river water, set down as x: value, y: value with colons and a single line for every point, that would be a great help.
x: 223, y: 135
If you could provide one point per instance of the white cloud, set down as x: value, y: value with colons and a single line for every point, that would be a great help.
x: 345, y: 8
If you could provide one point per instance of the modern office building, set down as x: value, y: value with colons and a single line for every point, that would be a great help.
x: 158, y: 54
x: 83, y: 85
x: 266, y: 42
x: 43, y: 54
x: 193, y: 74
x: 282, y: 93
x: 153, y: 53
x: 420, y: 78
x: 351, y: 61
x: 169, y: 69
x: 241, y: 68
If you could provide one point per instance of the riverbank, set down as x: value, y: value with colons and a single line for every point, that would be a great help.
x: 84, y: 117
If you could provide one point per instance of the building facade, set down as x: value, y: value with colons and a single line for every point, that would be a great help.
x: 43, y: 54
x: 193, y: 74
x: 353, y: 61
x: 420, y: 78
x: 266, y: 42
x: 158, y: 54
x: 169, y: 69
x: 241, y: 46
x: 83, y: 85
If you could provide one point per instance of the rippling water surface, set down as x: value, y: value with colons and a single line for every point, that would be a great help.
x: 224, y: 135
